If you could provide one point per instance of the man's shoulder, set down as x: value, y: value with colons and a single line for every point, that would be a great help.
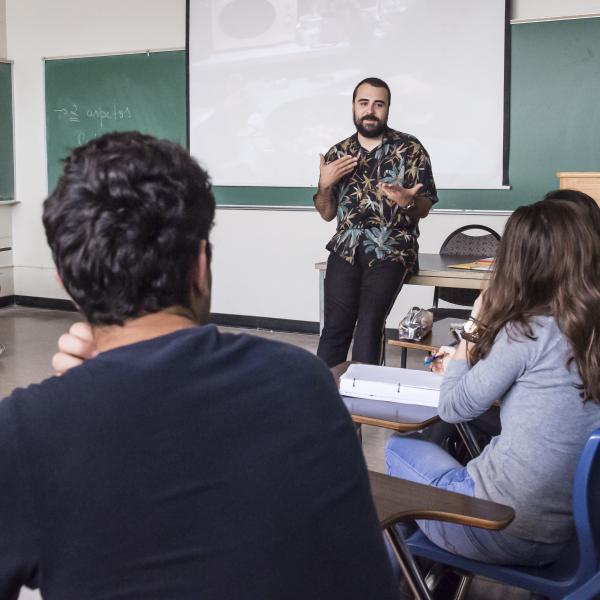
x: 401, y: 137
x: 222, y: 350
x: 249, y: 356
x: 205, y: 353
x: 282, y: 368
x: 30, y: 403
x: 284, y: 356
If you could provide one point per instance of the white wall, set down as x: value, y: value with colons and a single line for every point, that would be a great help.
x: 37, y: 29
x: 2, y: 28
x: 269, y: 271
x: 264, y: 260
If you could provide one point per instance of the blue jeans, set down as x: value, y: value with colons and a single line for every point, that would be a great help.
x: 423, y: 462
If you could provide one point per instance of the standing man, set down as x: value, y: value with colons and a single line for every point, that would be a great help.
x: 379, y: 184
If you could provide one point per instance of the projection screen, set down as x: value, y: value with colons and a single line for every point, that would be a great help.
x: 270, y: 84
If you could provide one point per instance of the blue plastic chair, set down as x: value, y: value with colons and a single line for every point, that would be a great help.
x: 588, y: 591
x: 578, y: 563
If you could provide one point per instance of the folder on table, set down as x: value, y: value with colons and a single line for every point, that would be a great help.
x: 391, y: 384
x: 483, y: 264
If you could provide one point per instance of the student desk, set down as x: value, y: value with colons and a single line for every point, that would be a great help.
x: 391, y: 415
x: 397, y: 500
x: 403, y: 418
x: 433, y: 271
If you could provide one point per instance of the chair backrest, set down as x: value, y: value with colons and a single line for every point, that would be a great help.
x: 586, y: 507
x: 460, y: 243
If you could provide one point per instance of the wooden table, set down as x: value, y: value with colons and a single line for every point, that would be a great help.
x: 398, y: 500
x: 433, y: 271
x: 440, y: 335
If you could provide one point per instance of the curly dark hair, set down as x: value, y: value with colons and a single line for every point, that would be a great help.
x: 548, y: 263
x: 125, y: 223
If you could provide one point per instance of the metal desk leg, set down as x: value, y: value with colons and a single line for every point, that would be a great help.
x: 403, y: 354
x: 468, y: 439
x: 358, y: 429
x: 408, y: 565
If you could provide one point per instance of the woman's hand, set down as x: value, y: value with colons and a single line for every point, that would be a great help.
x: 74, y: 347
x: 477, y: 306
x: 443, y: 357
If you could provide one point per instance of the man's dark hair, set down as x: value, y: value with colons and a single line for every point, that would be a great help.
x: 375, y: 82
x: 124, y: 225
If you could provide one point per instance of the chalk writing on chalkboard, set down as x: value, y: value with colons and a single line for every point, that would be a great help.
x: 90, y: 96
x: 99, y: 118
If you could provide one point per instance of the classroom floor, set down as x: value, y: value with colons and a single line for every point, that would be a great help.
x: 30, y: 336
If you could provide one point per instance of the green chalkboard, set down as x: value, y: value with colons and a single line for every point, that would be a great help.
x: 554, y: 112
x: 87, y: 97
x: 554, y: 120
x: 7, y: 164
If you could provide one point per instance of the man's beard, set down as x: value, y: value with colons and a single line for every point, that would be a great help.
x: 374, y: 130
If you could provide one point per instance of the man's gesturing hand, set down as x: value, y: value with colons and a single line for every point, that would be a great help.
x: 331, y: 173
x: 74, y: 347
x: 404, y: 197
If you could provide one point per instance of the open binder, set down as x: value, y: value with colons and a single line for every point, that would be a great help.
x: 391, y: 384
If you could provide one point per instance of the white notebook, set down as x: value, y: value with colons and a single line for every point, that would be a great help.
x: 391, y: 384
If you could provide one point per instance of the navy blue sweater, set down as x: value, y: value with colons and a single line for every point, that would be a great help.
x: 193, y: 465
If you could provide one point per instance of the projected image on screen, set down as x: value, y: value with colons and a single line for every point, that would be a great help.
x: 271, y: 83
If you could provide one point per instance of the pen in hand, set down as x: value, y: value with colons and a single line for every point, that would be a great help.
x: 432, y: 357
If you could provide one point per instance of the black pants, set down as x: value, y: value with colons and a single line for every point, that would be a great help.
x: 361, y: 296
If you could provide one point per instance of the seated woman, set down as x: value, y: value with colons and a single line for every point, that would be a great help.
x: 536, y: 351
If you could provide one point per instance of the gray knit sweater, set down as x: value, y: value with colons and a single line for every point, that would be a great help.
x: 531, y: 464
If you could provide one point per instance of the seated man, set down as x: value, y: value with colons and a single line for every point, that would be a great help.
x: 178, y: 463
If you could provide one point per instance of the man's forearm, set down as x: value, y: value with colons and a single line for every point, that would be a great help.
x: 325, y: 203
x: 422, y: 207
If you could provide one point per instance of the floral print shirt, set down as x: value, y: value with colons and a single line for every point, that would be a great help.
x: 364, y: 215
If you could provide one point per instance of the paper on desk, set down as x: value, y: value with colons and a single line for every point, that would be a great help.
x: 483, y: 264
x: 391, y: 384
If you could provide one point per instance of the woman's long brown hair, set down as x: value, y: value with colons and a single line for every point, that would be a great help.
x: 548, y: 263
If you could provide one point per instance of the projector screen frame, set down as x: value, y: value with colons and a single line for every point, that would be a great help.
x: 302, y: 207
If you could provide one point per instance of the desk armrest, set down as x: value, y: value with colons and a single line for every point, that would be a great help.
x: 398, y: 500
